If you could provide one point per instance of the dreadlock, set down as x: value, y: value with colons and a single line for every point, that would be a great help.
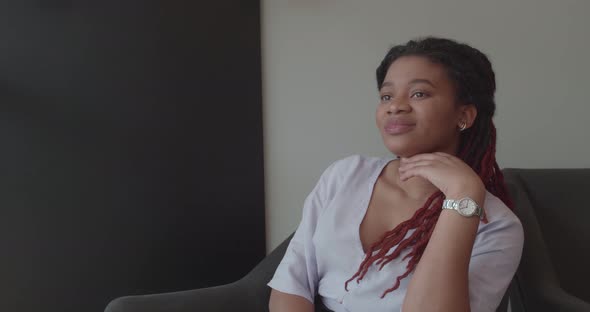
x: 474, y: 81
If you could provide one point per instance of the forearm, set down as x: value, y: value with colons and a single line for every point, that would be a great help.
x: 440, y: 280
x: 283, y: 302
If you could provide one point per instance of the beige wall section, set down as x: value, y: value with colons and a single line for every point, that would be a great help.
x: 319, y: 87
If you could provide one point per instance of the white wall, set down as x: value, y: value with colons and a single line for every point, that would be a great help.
x: 319, y: 59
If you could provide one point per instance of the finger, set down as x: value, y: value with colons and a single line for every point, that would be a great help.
x: 424, y: 163
x: 426, y: 156
x: 432, y: 160
x: 421, y: 171
x: 447, y: 156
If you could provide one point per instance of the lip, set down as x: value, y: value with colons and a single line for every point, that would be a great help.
x: 398, y: 127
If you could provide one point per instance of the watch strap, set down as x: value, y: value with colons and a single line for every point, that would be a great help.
x: 453, y: 204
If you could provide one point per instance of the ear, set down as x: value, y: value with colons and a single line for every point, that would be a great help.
x: 467, y: 115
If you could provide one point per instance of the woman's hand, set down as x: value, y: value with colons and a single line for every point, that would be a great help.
x: 448, y: 173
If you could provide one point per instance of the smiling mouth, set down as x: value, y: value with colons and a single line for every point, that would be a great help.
x: 394, y: 129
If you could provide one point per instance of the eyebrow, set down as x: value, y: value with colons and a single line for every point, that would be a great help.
x: 414, y: 81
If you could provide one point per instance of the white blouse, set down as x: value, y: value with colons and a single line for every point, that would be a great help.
x: 326, y: 249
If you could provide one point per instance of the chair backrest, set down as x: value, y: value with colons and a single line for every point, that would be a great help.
x: 554, y: 210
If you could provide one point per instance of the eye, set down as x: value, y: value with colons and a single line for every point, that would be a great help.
x: 385, y: 98
x: 419, y: 94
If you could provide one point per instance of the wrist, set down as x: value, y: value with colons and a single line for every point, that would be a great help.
x: 475, y: 192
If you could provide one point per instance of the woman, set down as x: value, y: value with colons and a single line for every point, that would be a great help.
x: 428, y: 230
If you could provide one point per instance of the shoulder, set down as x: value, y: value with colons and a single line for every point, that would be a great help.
x: 355, y: 166
x: 495, y: 256
x: 497, y: 211
x: 503, y: 229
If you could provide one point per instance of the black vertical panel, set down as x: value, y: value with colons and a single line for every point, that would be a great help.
x: 130, y: 149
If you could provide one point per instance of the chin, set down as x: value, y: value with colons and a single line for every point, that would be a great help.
x: 402, y: 148
x: 410, y: 144
x: 402, y: 151
x: 403, y: 154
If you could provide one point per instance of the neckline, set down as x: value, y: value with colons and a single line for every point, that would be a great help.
x: 367, y: 200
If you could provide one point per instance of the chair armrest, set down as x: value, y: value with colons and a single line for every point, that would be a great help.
x: 554, y: 298
x: 229, y: 297
x: 247, y: 294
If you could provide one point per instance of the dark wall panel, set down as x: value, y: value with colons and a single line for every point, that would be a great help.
x: 130, y: 149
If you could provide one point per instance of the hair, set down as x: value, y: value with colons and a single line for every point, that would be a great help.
x: 474, y: 80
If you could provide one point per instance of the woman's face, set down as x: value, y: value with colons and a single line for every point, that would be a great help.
x: 418, y: 111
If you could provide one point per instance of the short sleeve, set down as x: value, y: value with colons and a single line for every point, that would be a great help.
x: 297, y: 273
x: 494, y: 260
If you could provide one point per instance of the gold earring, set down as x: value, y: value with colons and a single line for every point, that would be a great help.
x: 463, y: 125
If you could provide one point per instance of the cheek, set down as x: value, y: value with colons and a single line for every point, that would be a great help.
x: 440, y: 123
x: 379, y: 115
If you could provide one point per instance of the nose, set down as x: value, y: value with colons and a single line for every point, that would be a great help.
x: 398, y: 105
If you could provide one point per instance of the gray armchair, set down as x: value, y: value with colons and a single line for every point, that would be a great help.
x: 553, y: 207
x: 247, y: 294
x: 551, y: 276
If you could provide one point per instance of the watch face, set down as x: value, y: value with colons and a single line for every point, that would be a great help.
x: 466, y: 207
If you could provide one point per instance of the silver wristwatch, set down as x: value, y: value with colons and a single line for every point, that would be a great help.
x: 466, y: 207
